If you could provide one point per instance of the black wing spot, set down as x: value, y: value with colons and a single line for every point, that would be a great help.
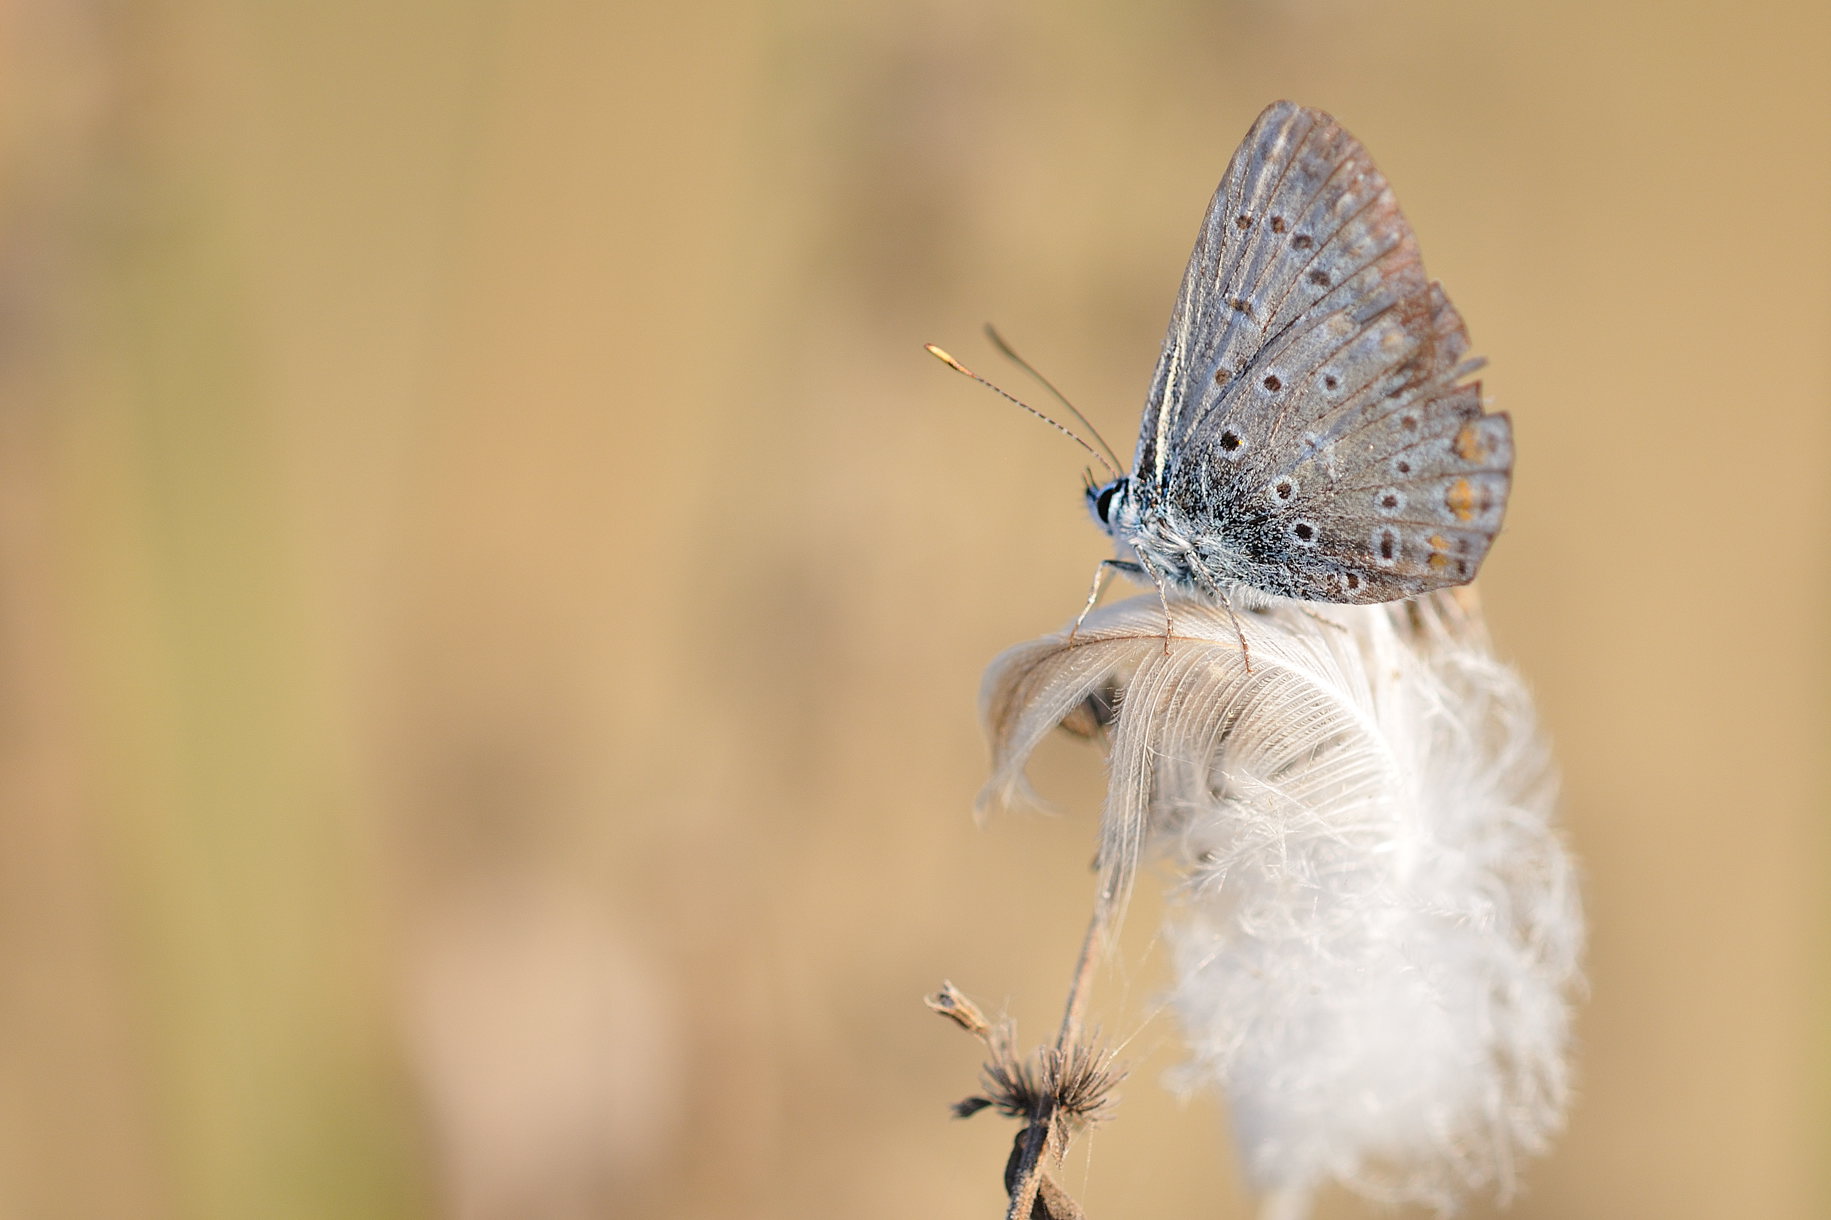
x: 1319, y: 278
x: 1303, y: 531
x: 1230, y: 441
x: 1221, y: 375
x: 1242, y: 305
x: 1303, y: 241
x: 1390, y: 500
x: 1272, y: 383
x: 1388, y: 545
x: 1242, y: 222
x: 1277, y: 224
x: 1402, y: 466
x: 1284, y: 489
x: 1353, y: 581
x: 1329, y: 383
x: 1408, y: 422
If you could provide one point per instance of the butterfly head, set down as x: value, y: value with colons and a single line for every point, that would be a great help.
x: 1113, y: 506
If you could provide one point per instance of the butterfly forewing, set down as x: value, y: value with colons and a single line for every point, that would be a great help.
x: 1306, y: 411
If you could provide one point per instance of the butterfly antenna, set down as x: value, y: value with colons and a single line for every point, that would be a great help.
x: 955, y: 365
x: 1010, y: 353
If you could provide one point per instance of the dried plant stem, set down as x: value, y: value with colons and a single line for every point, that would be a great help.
x: 1027, y: 1173
x: 1082, y: 985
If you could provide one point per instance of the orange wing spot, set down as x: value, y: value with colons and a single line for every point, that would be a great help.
x: 1470, y: 445
x: 1437, y: 560
x: 1461, y: 499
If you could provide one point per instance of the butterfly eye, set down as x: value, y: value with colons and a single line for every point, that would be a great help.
x: 1103, y: 503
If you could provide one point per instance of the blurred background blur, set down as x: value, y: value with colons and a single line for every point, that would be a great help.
x: 492, y: 593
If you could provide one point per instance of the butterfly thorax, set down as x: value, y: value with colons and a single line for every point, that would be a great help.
x: 1149, y: 530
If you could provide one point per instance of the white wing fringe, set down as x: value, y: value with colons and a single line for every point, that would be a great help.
x: 1376, y: 931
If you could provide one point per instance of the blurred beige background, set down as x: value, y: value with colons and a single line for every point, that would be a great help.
x: 493, y: 592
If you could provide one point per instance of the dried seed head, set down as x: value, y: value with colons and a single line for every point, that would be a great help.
x: 1074, y: 1085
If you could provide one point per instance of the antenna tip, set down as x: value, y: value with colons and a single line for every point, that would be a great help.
x: 946, y: 359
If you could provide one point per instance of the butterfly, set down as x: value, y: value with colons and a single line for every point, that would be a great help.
x: 1309, y: 433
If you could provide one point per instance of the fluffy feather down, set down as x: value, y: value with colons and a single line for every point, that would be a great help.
x: 1376, y: 930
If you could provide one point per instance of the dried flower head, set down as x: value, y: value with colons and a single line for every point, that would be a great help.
x: 1076, y: 1084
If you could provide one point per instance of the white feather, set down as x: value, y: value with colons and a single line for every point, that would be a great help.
x: 1376, y: 930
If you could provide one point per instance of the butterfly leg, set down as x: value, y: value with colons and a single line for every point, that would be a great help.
x: 1163, y: 599
x: 1093, y: 594
x: 1169, y: 624
x: 1239, y: 631
x: 1220, y: 590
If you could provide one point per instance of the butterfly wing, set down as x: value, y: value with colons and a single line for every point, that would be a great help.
x: 1307, y: 414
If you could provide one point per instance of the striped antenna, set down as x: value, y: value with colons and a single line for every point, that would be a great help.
x: 1099, y: 457
x: 1010, y: 353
